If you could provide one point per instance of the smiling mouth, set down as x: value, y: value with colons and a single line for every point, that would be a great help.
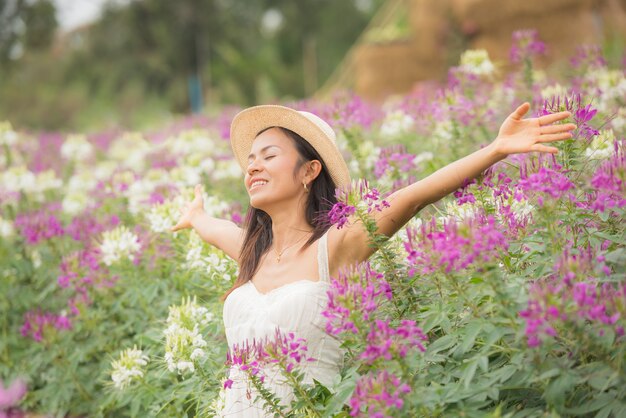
x: 258, y: 184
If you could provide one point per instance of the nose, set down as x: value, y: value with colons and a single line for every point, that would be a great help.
x: 253, y: 167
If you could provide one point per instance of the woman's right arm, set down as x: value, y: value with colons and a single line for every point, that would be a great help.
x: 223, y: 234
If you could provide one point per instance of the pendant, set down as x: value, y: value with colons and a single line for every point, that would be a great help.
x: 278, y: 258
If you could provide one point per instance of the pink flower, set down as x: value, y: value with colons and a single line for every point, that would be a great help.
x: 379, y: 395
x: 12, y: 394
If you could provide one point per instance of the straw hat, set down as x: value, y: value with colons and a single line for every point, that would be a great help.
x: 249, y: 122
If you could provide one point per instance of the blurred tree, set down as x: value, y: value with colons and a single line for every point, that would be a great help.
x: 160, y: 51
x: 25, y: 26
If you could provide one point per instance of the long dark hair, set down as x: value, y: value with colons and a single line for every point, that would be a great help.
x: 258, y: 224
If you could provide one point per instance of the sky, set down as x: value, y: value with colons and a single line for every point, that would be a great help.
x: 73, y: 13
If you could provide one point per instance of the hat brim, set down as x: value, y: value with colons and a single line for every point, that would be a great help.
x: 247, y: 124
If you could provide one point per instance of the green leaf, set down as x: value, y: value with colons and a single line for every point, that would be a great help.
x: 441, y: 344
x: 469, y: 373
x: 471, y: 332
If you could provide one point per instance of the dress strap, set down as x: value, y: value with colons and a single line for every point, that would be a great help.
x: 322, y: 258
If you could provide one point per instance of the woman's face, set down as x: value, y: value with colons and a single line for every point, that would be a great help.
x: 269, y: 176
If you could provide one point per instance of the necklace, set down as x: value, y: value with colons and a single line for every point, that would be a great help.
x: 279, y: 254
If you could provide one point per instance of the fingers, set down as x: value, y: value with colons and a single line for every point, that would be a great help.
x: 543, y: 148
x: 555, y: 129
x: 519, y: 113
x: 554, y: 137
x: 548, y: 119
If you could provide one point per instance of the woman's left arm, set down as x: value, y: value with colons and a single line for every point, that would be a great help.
x: 516, y: 135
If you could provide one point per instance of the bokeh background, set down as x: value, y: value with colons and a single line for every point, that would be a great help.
x: 95, y: 64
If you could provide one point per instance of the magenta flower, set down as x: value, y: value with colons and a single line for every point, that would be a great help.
x: 357, y: 196
x: 11, y: 395
x: 573, y: 296
x: 353, y: 298
x: 255, y: 357
x: 548, y: 179
x: 588, y: 56
x: 37, y: 323
x: 378, y: 396
x: 609, y: 182
x: 526, y: 45
x: 386, y: 342
x: 583, y: 114
x: 454, y: 246
x: 40, y: 225
x: 340, y: 213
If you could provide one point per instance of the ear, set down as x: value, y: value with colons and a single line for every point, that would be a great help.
x: 313, y: 169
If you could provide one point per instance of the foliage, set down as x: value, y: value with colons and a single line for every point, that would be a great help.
x: 506, y: 298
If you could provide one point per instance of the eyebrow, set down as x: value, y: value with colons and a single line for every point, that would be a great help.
x: 263, y: 150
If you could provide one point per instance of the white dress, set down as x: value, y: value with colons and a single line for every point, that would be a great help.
x: 295, y: 307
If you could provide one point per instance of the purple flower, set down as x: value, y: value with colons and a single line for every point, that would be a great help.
x: 573, y: 296
x: 40, y: 225
x: 588, y: 56
x: 378, y: 395
x: 583, y: 114
x: 386, y: 342
x: 11, y: 395
x: 353, y: 298
x: 526, y: 45
x: 36, y: 323
x: 454, y: 246
x: 546, y: 180
x: 255, y: 357
x: 340, y: 214
x: 609, y: 182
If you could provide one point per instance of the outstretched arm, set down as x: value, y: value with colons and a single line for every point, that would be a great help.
x: 516, y: 135
x: 223, y: 234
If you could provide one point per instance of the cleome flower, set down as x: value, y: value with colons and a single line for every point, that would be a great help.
x: 128, y: 367
x: 185, y: 347
x: 117, y: 244
x: 477, y: 62
x: 378, y: 395
x: 284, y: 351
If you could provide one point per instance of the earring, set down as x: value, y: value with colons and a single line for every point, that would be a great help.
x: 306, y: 189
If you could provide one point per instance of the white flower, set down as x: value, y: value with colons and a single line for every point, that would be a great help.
x: 423, y: 156
x: 184, y: 344
x: 443, y: 132
x: 396, y: 123
x: 227, y: 169
x: 75, y: 202
x: 619, y: 121
x: 76, y: 148
x: 219, y: 403
x: 602, y: 145
x: 476, y: 61
x: 553, y: 90
x: 82, y: 181
x: 612, y: 83
x: 162, y: 216
x: 128, y: 367
x: 130, y: 150
x: 460, y: 212
x: 6, y: 228
x: 218, y: 266
x: 117, y: 244
x: 8, y: 136
x: 190, y: 142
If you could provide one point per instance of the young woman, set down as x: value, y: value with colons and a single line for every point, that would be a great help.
x: 287, y: 251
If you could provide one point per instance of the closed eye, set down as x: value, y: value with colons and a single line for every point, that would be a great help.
x: 269, y: 157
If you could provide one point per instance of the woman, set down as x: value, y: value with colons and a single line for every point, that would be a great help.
x: 287, y: 251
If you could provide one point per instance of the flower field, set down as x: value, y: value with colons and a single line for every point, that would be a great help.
x: 505, y: 299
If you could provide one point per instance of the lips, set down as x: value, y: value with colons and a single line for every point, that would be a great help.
x: 257, y: 183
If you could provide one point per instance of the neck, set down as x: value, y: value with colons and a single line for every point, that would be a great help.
x: 289, y: 223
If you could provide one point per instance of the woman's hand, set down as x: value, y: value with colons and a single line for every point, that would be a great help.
x: 519, y: 135
x: 190, y: 210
